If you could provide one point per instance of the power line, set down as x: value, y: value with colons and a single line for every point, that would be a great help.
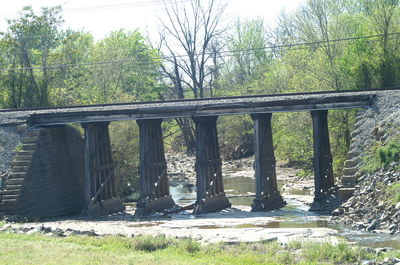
x: 148, y: 61
x: 105, y: 7
x: 315, y: 42
x: 293, y: 46
x: 111, y: 6
x: 122, y: 5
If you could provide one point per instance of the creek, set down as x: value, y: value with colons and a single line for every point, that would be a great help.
x: 240, y: 189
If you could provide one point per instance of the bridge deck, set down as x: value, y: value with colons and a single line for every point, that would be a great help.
x: 194, y: 107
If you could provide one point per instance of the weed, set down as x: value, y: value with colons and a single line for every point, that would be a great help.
x: 389, y: 153
x: 150, y: 243
x: 190, y: 245
x: 394, y: 193
x: 382, y: 156
x: 304, y: 174
x: 39, y: 249
x: 19, y: 148
x: 295, y: 244
x: 340, y: 253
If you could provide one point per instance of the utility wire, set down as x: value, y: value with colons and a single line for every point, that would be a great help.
x: 149, y: 61
x: 122, y: 5
x: 112, y: 6
x: 293, y: 46
x: 103, y: 7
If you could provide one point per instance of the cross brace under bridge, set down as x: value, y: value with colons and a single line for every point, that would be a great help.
x: 154, y: 187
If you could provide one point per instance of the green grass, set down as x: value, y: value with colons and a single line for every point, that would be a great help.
x: 304, y: 173
x: 2, y: 223
x: 340, y: 253
x: 380, y: 156
x: 41, y: 249
x: 394, y: 193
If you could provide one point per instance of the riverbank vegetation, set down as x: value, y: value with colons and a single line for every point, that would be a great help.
x: 382, y: 155
x: 323, y: 45
x: 394, y: 193
x: 42, y: 249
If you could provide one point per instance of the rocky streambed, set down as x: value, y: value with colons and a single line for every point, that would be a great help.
x: 236, y: 224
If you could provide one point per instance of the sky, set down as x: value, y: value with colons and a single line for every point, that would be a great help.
x: 100, y: 17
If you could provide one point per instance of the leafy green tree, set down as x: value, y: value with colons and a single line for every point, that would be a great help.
x: 27, y: 47
x: 135, y: 73
x: 384, y: 16
x: 250, y: 58
x: 71, y: 84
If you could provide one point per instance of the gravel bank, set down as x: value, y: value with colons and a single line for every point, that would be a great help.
x: 9, y: 140
x: 379, y: 123
x: 370, y: 208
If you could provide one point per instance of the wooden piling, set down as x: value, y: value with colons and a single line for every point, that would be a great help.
x: 210, y: 189
x: 153, y: 183
x: 323, y: 173
x: 100, y: 193
x: 267, y: 193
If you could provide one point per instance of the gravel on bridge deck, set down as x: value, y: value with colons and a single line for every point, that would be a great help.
x: 182, y: 108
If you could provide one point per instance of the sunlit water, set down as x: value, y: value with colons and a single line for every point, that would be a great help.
x: 240, y: 191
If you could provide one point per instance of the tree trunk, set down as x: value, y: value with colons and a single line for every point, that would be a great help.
x: 187, y: 133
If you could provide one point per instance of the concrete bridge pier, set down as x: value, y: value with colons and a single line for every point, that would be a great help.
x: 267, y: 193
x: 153, y: 183
x: 323, y: 173
x: 100, y: 192
x: 210, y: 188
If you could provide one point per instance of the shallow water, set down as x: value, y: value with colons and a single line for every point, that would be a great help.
x: 240, y: 191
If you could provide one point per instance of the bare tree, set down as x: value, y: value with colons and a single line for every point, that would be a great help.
x: 190, y: 40
x: 176, y: 89
x: 189, y: 34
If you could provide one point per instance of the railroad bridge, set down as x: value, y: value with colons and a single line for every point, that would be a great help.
x: 55, y: 171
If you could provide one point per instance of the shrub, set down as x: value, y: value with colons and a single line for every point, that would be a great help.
x: 190, y: 245
x: 382, y: 156
x: 340, y: 253
x: 125, y: 145
x: 389, y: 153
x: 150, y: 243
x: 395, y: 193
x: 236, y: 136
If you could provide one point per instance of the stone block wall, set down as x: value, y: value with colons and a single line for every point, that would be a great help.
x: 47, y: 174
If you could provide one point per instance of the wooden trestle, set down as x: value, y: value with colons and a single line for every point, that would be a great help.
x: 153, y: 183
x: 100, y: 192
x: 210, y: 188
x: 267, y: 193
x: 323, y: 173
x: 154, y: 186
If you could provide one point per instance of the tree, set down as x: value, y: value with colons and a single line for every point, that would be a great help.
x: 70, y: 86
x: 249, y: 58
x: 128, y: 69
x: 29, y: 42
x: 314, y: 23
x: 192, y: 29
x: 384, y: 15
x: 189, y: 39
